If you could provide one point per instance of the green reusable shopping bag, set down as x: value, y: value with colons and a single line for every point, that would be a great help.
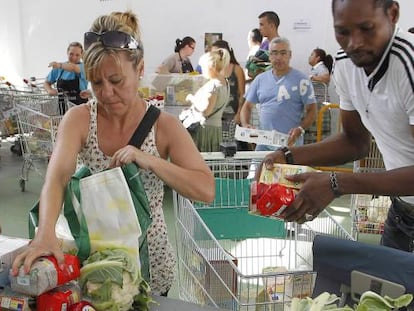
x: 80, y: 234
x: 258, y: 63
x: 76, y: 220
x: 74, y: 214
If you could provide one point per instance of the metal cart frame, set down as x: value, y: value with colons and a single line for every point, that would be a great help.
x: 369, y: 212
x: 38, y: 120
x: 8, y: 125
x: 230, y: 259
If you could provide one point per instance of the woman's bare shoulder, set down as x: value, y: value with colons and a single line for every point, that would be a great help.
x: 167, y: 120
x: 77, y: 117
x: 79, y: 110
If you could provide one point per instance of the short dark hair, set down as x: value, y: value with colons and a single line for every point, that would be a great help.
x: 179, y: 44
x: 272, y: 17
x: 411, y: 29
x: 75, y: 44
x: 385, y: 4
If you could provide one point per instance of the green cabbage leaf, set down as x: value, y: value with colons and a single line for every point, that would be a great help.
x: 111, y: 280
x: 369, y: 301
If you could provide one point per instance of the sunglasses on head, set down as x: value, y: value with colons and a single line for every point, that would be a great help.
x: 111, y: 39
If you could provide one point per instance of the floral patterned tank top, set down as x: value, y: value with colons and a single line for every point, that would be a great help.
x: 161, y: 255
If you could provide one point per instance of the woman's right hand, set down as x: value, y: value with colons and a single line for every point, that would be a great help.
x: 38, y: 247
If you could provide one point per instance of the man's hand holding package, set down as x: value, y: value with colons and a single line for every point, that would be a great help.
x: 314, y: 195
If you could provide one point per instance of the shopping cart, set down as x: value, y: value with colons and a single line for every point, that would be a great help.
x: 34, y: 85
x: 231, y: 259
x: 323, y: 124
x: 369, y: 212
x: 8, y: 124
x: 38, y: 119
x: 11, y: 94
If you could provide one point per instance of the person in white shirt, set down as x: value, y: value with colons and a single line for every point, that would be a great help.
x: 374, y: 78
x: 320, y: 75
x: 321, y: 63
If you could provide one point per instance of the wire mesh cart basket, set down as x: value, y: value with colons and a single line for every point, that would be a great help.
x: 8, y: 123
x: 369, y: 212
x: 38, y: 119
x: 231, y: 259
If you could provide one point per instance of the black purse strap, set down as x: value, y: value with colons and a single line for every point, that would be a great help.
x: 144, y: 126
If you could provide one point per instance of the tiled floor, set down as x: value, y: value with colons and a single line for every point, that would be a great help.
x: 15, y: 204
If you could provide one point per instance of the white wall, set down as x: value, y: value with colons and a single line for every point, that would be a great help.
x: 36, y: 32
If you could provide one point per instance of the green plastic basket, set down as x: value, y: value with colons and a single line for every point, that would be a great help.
x: 228, y: 216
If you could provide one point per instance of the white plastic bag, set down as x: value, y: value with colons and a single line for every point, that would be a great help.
x: 109, y: 211
x: 191, y: 118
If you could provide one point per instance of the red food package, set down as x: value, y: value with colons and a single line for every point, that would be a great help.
x: 275, y: 199
x: 59, y: 298
x: 71, y: 270
x: 45, y: 275
x: 257, y: 190
x: 82, y: 306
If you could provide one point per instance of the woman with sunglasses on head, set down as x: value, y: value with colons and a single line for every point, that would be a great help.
x: 97, y: 134
x: 69, y: 77
x: 179, y: 62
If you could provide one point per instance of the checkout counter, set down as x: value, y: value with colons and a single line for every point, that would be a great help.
x: 169, y: 304
x: 349, y: 268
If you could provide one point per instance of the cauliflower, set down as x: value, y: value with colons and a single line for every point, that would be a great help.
x: 111, y: 280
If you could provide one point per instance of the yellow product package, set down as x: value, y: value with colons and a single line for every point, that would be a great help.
x: 273, y: 288
x: 281, y: 285
x: 278, y: 174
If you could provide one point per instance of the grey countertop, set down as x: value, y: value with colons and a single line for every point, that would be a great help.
x: 169, y: 304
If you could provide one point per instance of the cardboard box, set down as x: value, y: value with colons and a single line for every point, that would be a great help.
x: 218, y: 275
x: 261, y: 137
x: 300, y: 285
x: 279, y: 172
x: 182, y: 83
x: 282, y: 285
x: 273, y: 292
x: 10, y: 247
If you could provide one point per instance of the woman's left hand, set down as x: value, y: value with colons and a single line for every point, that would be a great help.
x: 130, y: 154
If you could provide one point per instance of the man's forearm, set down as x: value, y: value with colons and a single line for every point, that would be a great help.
x: 310, y: 117
x: 245, y: 114
x: 334, y: 150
